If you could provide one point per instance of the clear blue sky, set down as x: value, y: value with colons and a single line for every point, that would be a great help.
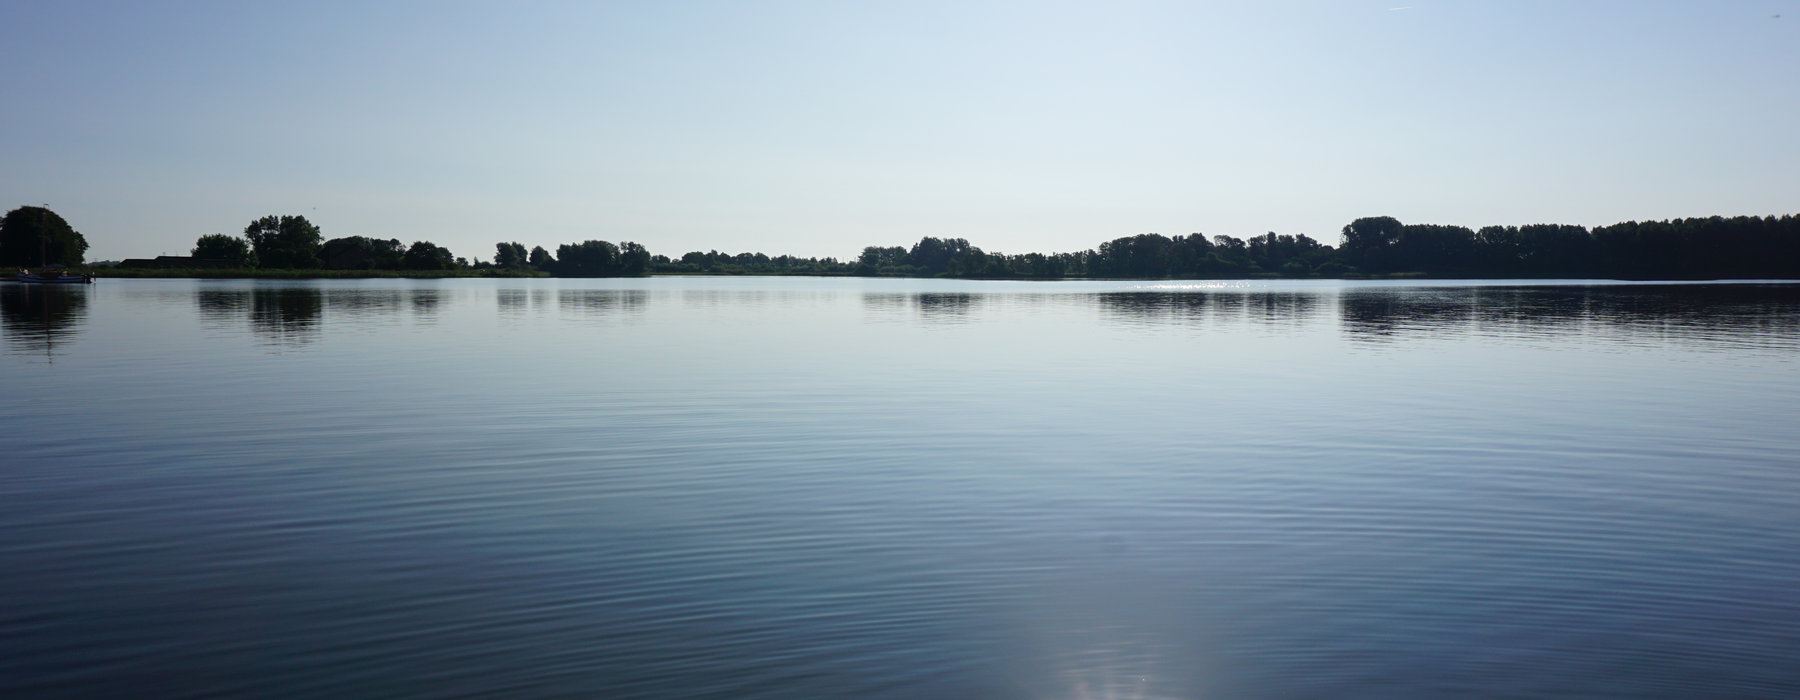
x: 816, y: 128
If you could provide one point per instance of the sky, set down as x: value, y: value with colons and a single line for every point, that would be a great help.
x: 819, y: 128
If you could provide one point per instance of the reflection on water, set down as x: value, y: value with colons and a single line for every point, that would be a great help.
x: 593, y: 303
x: 878, y: 488
x: 1739, y: 313
x: 931, y: 307
x: 39, y: 317
x: 885, y: 303
x: 292, y: 315
x: 1156, y: 307
x: 511, y: 300
x: 948, y: 308
x: 279, y: 316
x: 1759, y: 315
x: 425, y: 304
x: 513, y: 303
x: 221, y: 305
x: 288, y: 316
x: 366, y: 303
x: 1732, y: 314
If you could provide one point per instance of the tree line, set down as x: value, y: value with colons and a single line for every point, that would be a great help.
x: 1694, y: 248
x: 293, y: 243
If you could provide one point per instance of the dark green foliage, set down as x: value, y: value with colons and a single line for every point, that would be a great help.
x: 586, y: 259
x: 34, y: 236
x: 226, y: 250
x: 1152, y: 255
x: 286, y: 242
x: 1289, y: 256
x: 933, y: 256
x: 1368, y: 240
x: 634, y: 259
x: 876, y: 260
x: 425, y: 255
x: 1433, y: 249
x: 363, y: 253
x: 1741, y: 246
x: 1711, y: 248
x: 1144, y: 255
x: 1191, y: 254
x: 540, y: 259
x: 717, y: 263
x: 1537, y: 250
x: 1715, y: 247
x: 596, y: 258
x: 511, y: 256
x: 1680, y: 249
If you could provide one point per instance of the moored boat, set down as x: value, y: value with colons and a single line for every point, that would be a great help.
x: 53, y: 274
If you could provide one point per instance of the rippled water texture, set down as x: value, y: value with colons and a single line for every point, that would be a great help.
x: 780, y: 488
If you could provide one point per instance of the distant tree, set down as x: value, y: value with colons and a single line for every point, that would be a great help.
x: 1231, y: 255
x: 933, y: 255
x: 1367, y: 241
x: 285, y: 242
x: 540, y: 259
x: 1432, y: 248
x: 1146, y: 255
x: 219, y: 246
x: 596, y: 258
x: 32, y: 236
x: 1190, y: 255
x: 876, y: 256
x: 882, y: 260
x: 511, y: 256
x: 425, y: 255
x: 1563, y: 250
x: 1499, y: 251
x: 362, y: 253
x: 634, y: 259
x: 591, y: 258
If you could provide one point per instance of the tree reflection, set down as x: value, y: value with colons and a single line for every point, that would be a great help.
x: 511, y: 303
x: 287, y: 316
x: 219, y: 307
x: 425, y: 304
x: 39, y: 317
x: 295, y: 315
x: 1752, y: 314
x: 364, y: 304
x: 1762, y: 315
x: 1291, y: 309
x: 885, y: 301
x: 947, y: 307
x: 602, y: 302
x: 1385, y: 312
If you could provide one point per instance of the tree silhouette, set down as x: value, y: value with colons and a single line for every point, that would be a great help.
x: 33, y: 236
x: 285, y: 242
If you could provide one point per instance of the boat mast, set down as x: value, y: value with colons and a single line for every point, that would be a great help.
x: 44, y: 238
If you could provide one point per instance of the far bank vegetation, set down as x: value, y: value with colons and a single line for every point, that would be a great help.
x: 1742, y: 247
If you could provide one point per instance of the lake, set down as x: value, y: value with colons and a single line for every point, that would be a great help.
x: 793, y: 487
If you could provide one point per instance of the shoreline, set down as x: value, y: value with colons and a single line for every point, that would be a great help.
x: 113, y: 273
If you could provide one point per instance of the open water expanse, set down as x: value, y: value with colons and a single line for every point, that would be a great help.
x: 792, y: 488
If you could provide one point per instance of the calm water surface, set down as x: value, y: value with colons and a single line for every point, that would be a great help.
x: 780, y: 488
